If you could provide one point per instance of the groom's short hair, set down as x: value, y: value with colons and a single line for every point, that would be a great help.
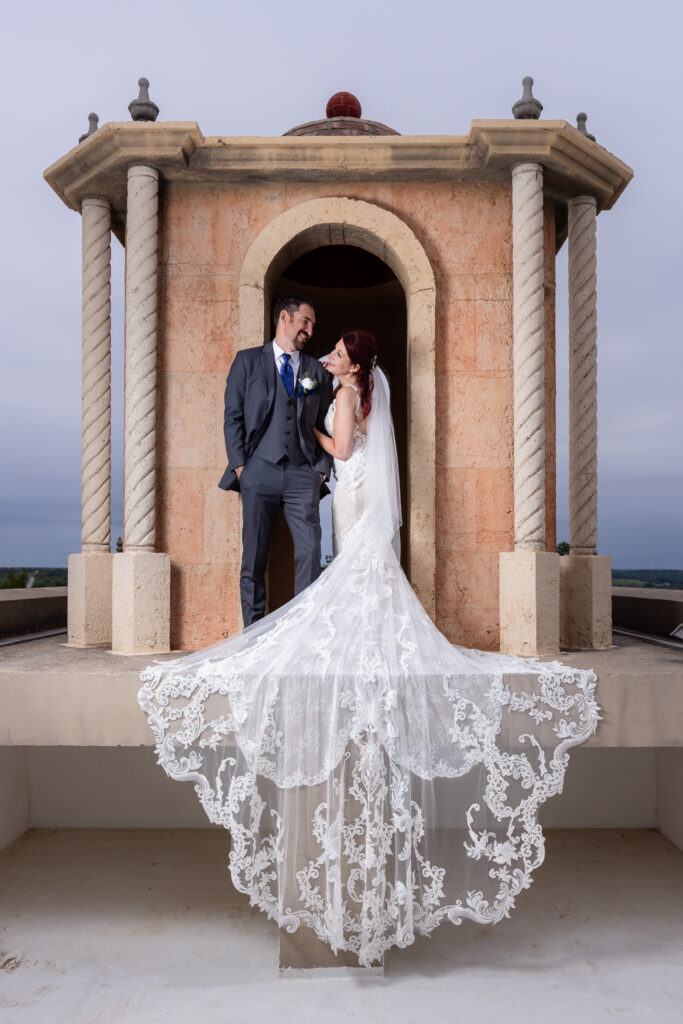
x: 291, y: 303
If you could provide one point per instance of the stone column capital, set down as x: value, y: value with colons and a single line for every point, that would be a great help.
x: 95, y: 201
x: 577, y: 201
x: 143, y: 171
x: 526, y: 168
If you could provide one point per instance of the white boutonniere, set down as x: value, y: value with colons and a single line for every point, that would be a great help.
x: 306, y: 385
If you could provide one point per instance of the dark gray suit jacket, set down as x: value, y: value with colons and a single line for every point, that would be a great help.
x: 249, y: 396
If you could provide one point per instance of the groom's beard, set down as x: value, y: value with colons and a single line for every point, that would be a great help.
x: 300, y: 341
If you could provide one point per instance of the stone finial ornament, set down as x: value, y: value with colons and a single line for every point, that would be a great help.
x: 143, y: 108
x: 528, y: 108
x: 581, y: 125
x: 93, y: 121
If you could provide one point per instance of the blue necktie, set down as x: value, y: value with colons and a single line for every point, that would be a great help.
x: 287, y: 373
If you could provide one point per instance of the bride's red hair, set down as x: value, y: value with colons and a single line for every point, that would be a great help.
x: 361, y: 348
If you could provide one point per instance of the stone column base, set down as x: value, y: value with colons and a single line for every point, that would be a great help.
x: 89, y: 599
x: 529, y: 603
x: 586, y: 602
x: 141, y: 603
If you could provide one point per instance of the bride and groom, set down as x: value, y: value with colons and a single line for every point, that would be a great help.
x: 376, y: 780
x: 275, y: 398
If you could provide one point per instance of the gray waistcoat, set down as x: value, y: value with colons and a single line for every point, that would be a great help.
x: 281, y: 436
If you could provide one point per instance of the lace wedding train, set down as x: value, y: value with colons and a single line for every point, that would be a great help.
x: 375, y: 779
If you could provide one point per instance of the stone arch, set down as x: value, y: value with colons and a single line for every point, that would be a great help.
x: 343, y: 221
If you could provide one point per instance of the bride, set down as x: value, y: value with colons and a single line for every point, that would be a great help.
x: 375, y: 779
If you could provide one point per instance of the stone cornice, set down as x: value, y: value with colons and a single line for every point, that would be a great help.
x: 573, y: 164
x: 98, y: 166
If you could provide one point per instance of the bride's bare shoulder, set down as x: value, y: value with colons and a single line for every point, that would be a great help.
x: 346, y: 393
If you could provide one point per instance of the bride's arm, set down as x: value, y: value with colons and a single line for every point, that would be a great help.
x: 340, y: 446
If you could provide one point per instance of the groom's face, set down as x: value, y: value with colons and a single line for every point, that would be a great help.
x: 299, y: 326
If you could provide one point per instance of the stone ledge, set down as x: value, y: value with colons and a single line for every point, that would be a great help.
x: 32, y: 610
x: 53, y: 695
x: 574, y: 165
x: 657, y: 612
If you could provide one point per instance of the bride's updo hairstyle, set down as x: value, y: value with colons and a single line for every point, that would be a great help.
x: 361, y: 348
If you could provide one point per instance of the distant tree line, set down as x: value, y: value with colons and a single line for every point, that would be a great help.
x: 655, y: 578
x: 18, y: 577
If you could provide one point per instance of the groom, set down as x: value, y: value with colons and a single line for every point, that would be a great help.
x: 274, y: 397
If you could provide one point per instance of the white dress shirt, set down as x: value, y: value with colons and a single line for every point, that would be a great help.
x: 293, y: 359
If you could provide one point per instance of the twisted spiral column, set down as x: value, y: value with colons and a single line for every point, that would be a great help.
x: 141, y: 336
x: 583, y: 387
x: 529, y: 357
x: 96, y: 391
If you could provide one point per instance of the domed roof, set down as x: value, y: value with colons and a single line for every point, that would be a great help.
x: 343, y: 118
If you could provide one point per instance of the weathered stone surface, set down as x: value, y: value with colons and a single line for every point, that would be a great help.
x: 586, y: 602
x: 141, y: 602
x: 529, y: 602
x: 89, y: 604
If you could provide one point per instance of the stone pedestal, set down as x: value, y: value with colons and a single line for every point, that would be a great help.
x: 141, y: 605
x: 302, y: 950
x: 529, y: 603
x: 89, y: 606
x: 586, y: 602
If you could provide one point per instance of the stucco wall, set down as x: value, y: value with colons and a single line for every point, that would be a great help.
x: 14, y: 794
x: 465, y: 230
x: 94, y: 787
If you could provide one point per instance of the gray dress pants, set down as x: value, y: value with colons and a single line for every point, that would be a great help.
x: 265, y: 488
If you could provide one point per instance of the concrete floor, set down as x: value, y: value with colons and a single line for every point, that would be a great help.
x: 110, y: 926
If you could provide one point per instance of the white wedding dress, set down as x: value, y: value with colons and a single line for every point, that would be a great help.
x: 375, y: 779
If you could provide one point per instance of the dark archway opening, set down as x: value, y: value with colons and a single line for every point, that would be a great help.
x: 350, y: 288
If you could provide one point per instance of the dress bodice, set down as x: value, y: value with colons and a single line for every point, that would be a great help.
x: 347, y: 505
x: 359, y: 439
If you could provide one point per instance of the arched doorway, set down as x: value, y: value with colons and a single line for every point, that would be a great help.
x: 349, y: 287
x: 339, y: 221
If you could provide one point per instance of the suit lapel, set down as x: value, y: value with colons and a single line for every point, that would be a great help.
x: 269, y: 370
x: 304, y: 367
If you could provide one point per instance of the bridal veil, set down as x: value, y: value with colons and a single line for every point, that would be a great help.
x: 375, y: 779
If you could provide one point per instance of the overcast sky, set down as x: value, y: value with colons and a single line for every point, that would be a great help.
x: 423, y: 68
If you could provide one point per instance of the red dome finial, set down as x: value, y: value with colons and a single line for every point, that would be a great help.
x: 343, y: 104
